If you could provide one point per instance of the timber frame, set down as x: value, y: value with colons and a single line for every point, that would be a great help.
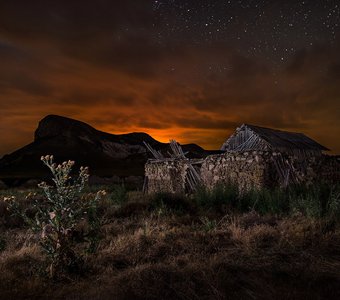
x: 254, y: 138
x: 192, y: 175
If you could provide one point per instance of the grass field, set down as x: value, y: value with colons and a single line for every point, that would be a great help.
x: 213, y: 245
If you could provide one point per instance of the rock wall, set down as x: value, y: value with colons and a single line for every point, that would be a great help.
x: 257, y: 169
x: 167, y: 176
x: 247, y: 170
x: 324, y: 168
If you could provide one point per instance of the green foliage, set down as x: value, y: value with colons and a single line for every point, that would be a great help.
x: 165, y: 203
x: 220, y: 195
x: 119, y: 194
x: 334, y: 203
x: 264, y: 201
x: 317, y: 201
x: 59, y: 216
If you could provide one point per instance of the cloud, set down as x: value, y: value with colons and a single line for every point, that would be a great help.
x: 103, y: 65
x: 114, y: 34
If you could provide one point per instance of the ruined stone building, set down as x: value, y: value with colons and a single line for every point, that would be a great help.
x: 176, y: 174
x: 253, y: 158
x: 172, y: 175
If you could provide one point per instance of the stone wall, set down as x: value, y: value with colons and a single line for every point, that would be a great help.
x: 247, y: 170
x: 167, y: 176
x: 257, y: 169
x: 322, y: 169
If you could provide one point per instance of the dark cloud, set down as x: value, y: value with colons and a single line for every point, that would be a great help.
x: 114, y: 34
x: 24, y: 84
x: 89, y: 96
x: 130, y: 53
x: 71, y: 21
x: 334, y: 70
x: 99, y: 62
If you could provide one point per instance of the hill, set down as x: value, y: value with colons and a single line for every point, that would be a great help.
x: 105, y: 154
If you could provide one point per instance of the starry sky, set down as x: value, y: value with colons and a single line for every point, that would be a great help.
x: 186, y: 69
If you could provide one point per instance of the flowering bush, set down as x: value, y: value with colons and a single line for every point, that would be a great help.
x: 58, y: 218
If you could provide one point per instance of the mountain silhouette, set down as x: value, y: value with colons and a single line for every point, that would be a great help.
x: 68, y: 139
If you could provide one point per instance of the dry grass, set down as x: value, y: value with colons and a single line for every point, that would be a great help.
x: 155, y: 254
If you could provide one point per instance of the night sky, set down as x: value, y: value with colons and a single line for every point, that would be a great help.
x: 190, y: 70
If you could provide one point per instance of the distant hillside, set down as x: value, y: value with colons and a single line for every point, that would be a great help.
x: 106, y: 154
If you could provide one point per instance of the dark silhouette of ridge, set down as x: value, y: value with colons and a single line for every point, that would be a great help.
x: 53, y: 125
x: 106, y: 154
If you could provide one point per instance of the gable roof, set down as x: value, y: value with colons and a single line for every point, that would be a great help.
x: 286, y: 139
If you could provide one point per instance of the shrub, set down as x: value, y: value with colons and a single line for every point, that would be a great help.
x: 64, y: 209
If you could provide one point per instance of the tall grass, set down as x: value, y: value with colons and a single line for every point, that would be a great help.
x: 167, y: 203
x: 117, y: 193
x: 220, y: 195
x: 317, y: 201
x: 264, y: 201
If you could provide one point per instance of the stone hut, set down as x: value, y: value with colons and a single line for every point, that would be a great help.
x: 253, y: 158
x: 254, y: 138
x: 258, y: 157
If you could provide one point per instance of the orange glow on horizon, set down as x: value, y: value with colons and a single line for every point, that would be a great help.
x: 188, y: 107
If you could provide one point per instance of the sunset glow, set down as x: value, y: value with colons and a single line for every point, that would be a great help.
x: 130, y: 74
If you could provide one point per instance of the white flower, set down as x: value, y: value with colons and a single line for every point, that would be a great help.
x: 8, y: 199
x: 52, y: 215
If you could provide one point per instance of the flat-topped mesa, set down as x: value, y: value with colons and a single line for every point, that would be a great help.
x: 53, y: 125
x: 106, y: 154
